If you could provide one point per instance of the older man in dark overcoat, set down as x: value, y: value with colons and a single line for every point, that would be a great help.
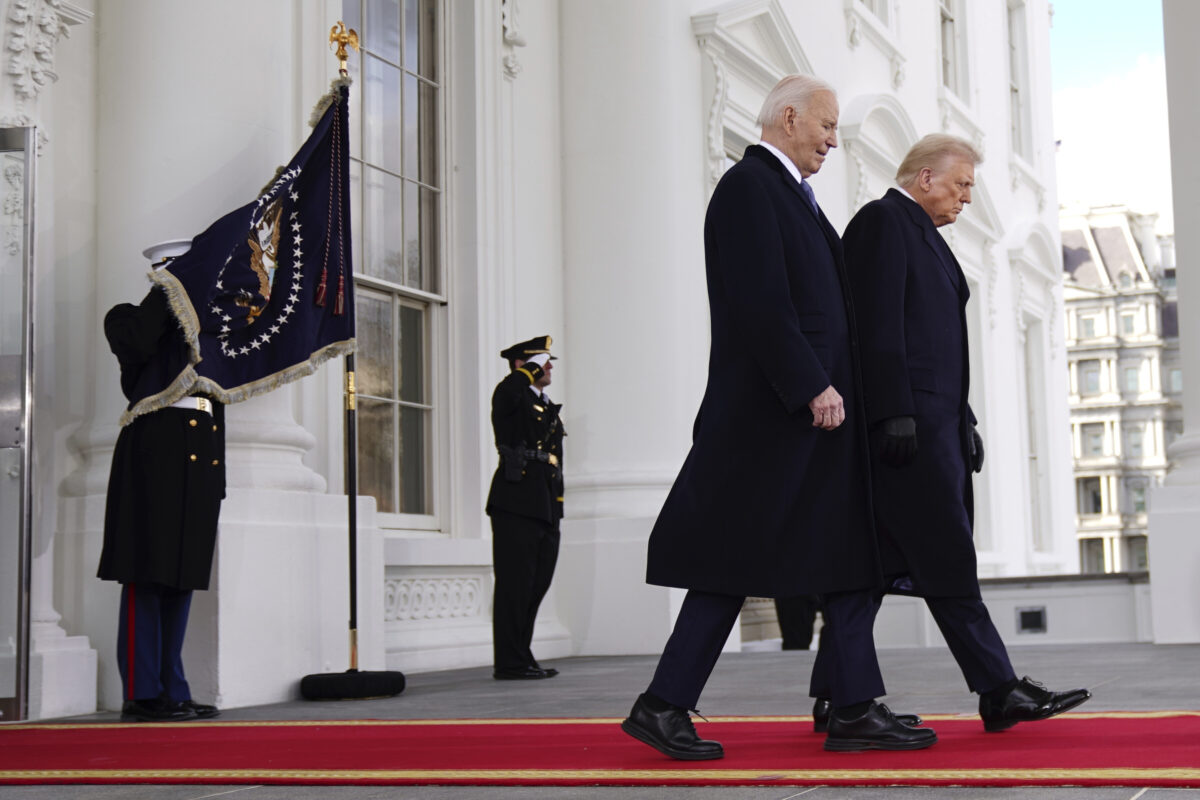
x: 910, y: 298
x: 773, y: 498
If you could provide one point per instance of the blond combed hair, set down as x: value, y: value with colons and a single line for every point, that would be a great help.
x: 931, y: 151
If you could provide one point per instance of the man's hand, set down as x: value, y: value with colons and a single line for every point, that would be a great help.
x: 898, y: 441
x: 975, y: 450
x: 827, y: 409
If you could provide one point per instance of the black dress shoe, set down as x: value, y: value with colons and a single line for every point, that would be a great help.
x: 1026, y: 702
x: 201, y: 710
x: 670, y: 732
x: 876, y: 729
x: 550, y: 671
x: 822, y: 707
x: 521, y: 674
x: 154, y: 710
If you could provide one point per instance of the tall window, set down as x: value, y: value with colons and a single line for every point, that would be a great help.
x: 1088, y: 497
x: 1128, y: 324
x: 397, y: 200
x: 1017, y: 80
x: 880, y: 9
x: 1137, y: 499
x: 1135, y: 435
x: 1091, y: 555
x: 1136, y: 557
x: 1132, y: 379
x: 1087, y: 327
x: 1092, y: 434
x: 1175, y: 381
x: 1089, y: 377
x: 952, y: 72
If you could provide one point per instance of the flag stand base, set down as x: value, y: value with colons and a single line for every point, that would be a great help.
x: 352, y: 684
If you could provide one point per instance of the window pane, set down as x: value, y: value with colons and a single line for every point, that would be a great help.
x: 383, y: 238
x: 1091, y: 555
x: 429, y: 132
x: 1093, y: 439
x: 412, y: 126
x: 381, y: 107
x: 1089, y: 500
x: 1135, y: 553
x: 414, y: 423
x: 1131, y: 379
x: 411, y: 341
x: 382, y: 33
x: 1087, y: 328
x: 374, y: 361
x: 1176, y: 380
x: 1138, y: 495
x: 420, y: 37
x: 376, y: 438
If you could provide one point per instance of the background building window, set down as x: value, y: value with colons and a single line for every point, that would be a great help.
x: 1089, y: 377
x: 1175, y: 381
x: 880, y: 9
x: 1087, y: 327
x: 1134, y: 437
x: 1126, y: 280
x: 1174, y: 429
x: 1132, y: 379
x: 1137, y: 499
x: 1127, y: 324
x: 397, y: 200
x: 1135, y: 555
x: 1088, y: 498
x: 1091, y: 555
x: 1092, y: 434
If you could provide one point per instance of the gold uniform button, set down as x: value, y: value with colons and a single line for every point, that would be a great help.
x: 192, y: 457
x: 192, y: 422
x: 216, y: 461
x: 214, y: 428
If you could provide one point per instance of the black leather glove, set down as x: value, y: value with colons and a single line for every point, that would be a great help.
x: 975, y: 450
x: 898, y: 441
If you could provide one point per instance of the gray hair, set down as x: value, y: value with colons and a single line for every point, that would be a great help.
x: 795, y: 91
x: 931, y: 151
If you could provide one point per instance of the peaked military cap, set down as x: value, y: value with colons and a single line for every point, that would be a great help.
x: 525, y: 350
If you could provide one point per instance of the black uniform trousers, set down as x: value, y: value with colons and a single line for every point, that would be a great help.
x: 964, y: 622
x: 524, y: 552
x: 150, y: 633
x: 706, y: 619
x: 797, y: 617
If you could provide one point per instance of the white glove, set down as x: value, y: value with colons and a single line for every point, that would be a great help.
x: 540, y: 359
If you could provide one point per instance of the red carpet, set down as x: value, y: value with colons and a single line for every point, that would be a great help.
x: 1116, y: 748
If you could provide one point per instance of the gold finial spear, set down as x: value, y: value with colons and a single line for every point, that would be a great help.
x: 341, y: 37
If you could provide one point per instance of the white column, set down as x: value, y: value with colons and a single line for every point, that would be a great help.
x: 199, y: 108
x: 1175, y: 506
x: 636, y: 309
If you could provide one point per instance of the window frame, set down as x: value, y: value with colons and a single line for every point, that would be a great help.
x: 435, y: 304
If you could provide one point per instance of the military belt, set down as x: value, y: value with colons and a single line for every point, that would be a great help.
x: 541, y: 455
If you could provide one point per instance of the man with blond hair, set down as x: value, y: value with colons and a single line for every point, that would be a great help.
x: 772, y: 500
x: 910, y: 298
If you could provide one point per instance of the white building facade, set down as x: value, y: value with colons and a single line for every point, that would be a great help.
x: 521, y: 167
x: 1126, y: 377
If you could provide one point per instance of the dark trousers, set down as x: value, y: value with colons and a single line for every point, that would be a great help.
x: 150, y: 632
x: 524, y: 552
x: 797, y: 616
x: 703, y: 625
x: 964, y: 622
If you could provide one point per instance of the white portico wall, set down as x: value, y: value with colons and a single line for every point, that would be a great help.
x: 42, y: 42
x: 1174, y: 519
x: 633, y: 205
x: 176, y: 147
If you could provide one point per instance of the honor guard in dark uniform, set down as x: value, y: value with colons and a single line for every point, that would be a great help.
x: 525, y: 504
x: 164, y: 496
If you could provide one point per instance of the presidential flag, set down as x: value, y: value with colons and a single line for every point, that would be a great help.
x: 265, y: 295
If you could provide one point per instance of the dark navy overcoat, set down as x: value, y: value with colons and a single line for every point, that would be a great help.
x: 910, y: 297
x: 766, y: 504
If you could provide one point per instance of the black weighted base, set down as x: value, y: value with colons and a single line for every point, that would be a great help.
x: 351, y: 685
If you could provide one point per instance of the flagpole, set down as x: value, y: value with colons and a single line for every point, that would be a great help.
x: 354, y: 683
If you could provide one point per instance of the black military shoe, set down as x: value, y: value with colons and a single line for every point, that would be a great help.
x: 670, y: 732
x: 201, y: 710
x: 876, y: 729
x: 521, y: 674
x: 550, y: 671
x: 1026, y: 702
x: 822, y: 707
x: 154, y: 710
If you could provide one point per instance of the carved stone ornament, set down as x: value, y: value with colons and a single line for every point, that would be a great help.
x: 414, y: 598
x: 34, y: 28
x: 510, y: 22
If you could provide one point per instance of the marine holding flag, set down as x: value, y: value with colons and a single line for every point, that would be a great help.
x: 261, y: 298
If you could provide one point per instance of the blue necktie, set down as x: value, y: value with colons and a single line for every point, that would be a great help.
x: 808, y: 195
